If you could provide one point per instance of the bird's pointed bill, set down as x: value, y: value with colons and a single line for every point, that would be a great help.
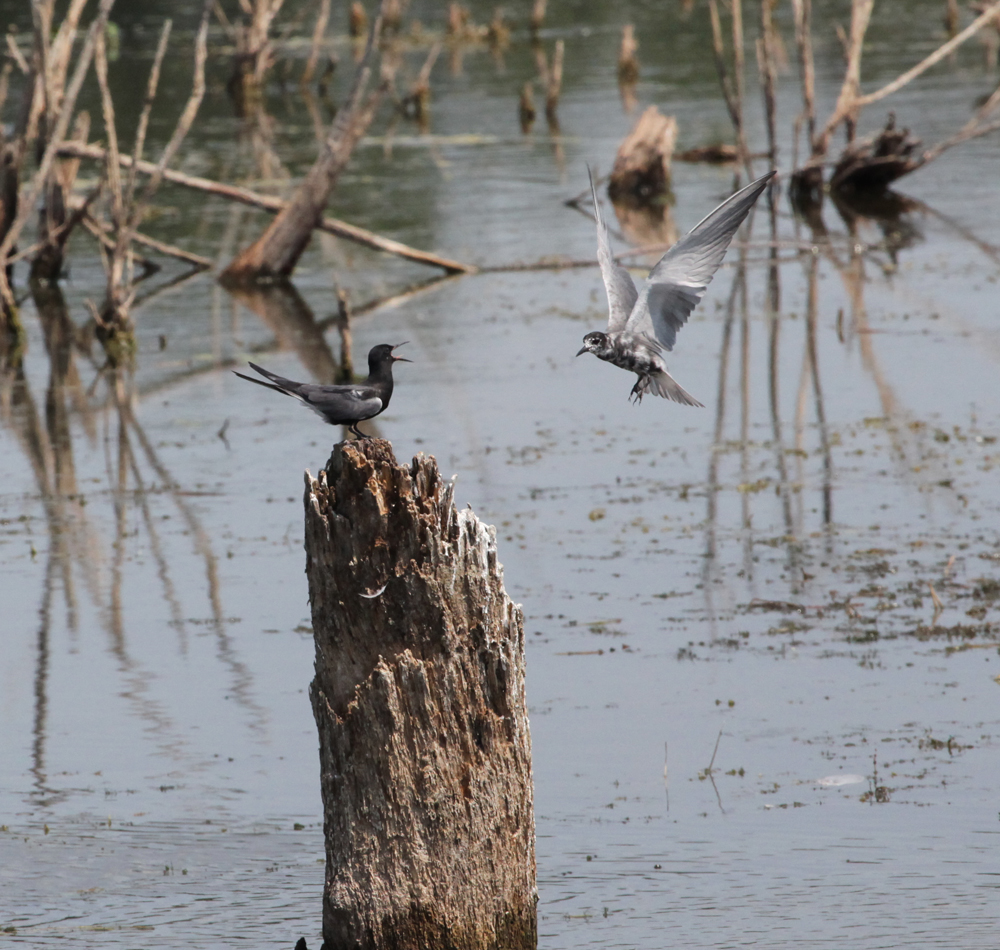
x: 401, y: 359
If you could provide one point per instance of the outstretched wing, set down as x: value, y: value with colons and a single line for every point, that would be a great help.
x: 679, y: 280
x: 621, y: 290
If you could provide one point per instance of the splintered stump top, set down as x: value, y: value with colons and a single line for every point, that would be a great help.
x: 419, y: 699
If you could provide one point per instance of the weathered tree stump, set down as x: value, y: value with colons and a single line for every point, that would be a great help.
x: 641, y: 172
x: 419, y: 699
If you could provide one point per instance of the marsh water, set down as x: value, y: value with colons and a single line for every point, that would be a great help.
x: 763, y: 671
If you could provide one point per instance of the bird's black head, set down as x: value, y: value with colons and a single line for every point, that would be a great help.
x: 595, y: 343
x: 381, y: 355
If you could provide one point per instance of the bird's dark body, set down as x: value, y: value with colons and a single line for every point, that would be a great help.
x: 346, y: 404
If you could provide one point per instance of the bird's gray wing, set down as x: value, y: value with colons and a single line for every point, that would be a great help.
x: 621, y: 290
x: 680, y: 278
x: 341, y: 403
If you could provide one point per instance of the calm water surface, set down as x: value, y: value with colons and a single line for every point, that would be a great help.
x: 798, y: 582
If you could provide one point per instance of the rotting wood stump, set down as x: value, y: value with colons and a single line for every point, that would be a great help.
x: 641, y: 173
x: 419, y: 699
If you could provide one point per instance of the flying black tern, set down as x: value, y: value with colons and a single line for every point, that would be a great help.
x: 641, y: 325
x: 346, y: 404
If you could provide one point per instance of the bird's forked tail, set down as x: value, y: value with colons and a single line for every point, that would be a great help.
x: 663, y: 384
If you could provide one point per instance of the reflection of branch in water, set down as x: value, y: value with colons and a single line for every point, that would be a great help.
x: 812, y: 309
x: 900, y: 422
x: 242, y: 677
x: 746, y: 520
x: 774, y: 331
x: 961, y: 230
x: 47, y: 796
x: 713, y: 487
x: 162, y: 568
x: 137, y: 678
x: 283, y: 311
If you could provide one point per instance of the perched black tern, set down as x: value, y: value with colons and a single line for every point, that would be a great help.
x: 641, y: 325
x: 346, y: 404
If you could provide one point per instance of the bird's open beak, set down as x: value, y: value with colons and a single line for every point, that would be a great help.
x: 583, y: 350
x: 401, y: 359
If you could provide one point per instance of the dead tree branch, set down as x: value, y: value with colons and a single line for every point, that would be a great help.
x: 27, y: 201
x: 274, y: 255
x: 245, y: 196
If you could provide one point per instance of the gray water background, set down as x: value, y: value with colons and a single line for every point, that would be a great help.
x: 158, y: 767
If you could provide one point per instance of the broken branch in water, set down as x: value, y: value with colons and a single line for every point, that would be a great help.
x: 333, y: 226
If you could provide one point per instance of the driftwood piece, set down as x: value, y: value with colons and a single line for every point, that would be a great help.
x: 419, y: 700
x: 719, y: 153
x: 642, y: 166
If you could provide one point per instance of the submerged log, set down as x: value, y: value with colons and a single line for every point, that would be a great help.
x: 642, y: 166
x: 419, y: 700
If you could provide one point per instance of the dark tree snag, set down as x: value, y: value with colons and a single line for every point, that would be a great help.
x: 275, y: 253
x: 419, y: 699
x: 872, y: 164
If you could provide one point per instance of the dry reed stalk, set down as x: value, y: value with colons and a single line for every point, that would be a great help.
x: 554, y: 86
x: 537, y: 15
x: 358, y: 20
x: 802, y: 13
x: 628, y: 62
x: 319, y: 30
x: 526, y: 108
x: 417, y: 104
x: 768, y: 72
x: 732, y: 86
x: 27, y: 201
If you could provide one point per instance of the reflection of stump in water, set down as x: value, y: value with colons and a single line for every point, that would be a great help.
x: 419, y: 699
x: 642, y: 166
x: 283, y: 310
x: 647, y: 222
x: 886, y: 209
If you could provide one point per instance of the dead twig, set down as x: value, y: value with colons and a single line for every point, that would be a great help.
x: 319, y: 30
x: 554, y: 86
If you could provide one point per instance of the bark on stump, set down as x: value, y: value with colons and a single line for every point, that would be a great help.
x: 419, y: 699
